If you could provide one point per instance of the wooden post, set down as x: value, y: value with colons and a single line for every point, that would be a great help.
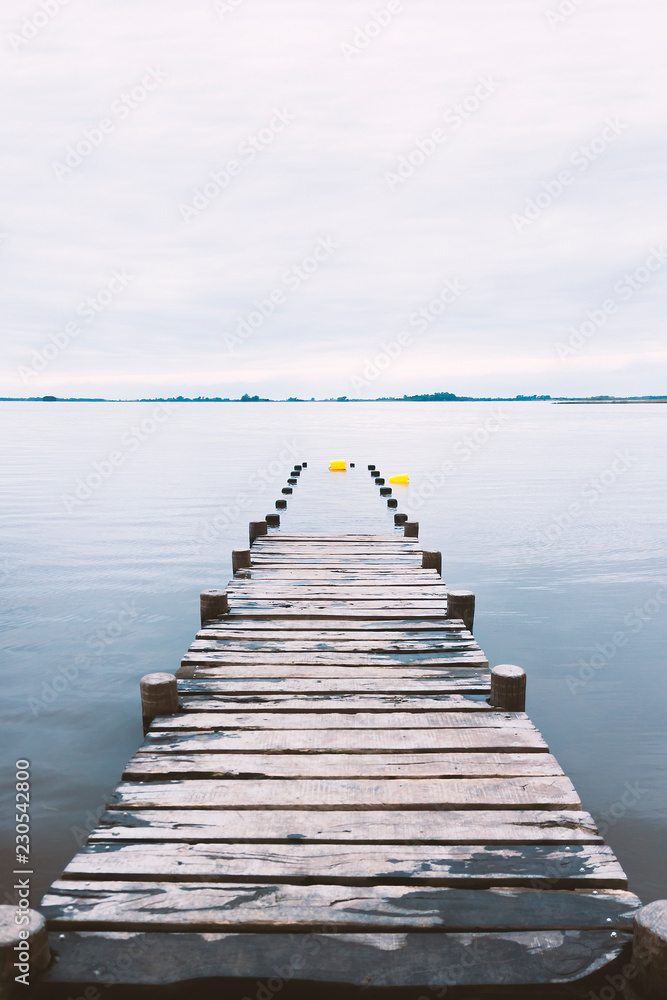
x: 305, y: 465
x: 159, y: 696
x: 287, y: 490
x: 400, y: 518
x: 392, y: 502
x: 240, y: 560
x: 375, y: 474
x: 292, y: 481
x: 508, y: 688
x: 411, y: 529
x: 32, y: 951
x: 281, y: 504
x: 296, y: 472
x: 379, y: 481
x: 213, y: 604
x: 385, y: 491
x: 298, y: 468
x: 257, y: 528
x: 273, y: 520
x: 370, y: 468
x: 432, y: 560
x: 649, y: 949
x: 461, y: 604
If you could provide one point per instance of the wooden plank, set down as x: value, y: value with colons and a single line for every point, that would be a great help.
x: 452, y: 641
x: 544, y: 792
x: 351, y: 573
x: 372, y: 740
x: 468, y: 654
x: 490, y: 719
x: 414, y: 960
x: 478, y: 683
x: 469, y: 865
x: 308, y: 624
x: 148, y: 766
x: 333, y: 703
x: 264, y: 632
x: 338, y: 610
x: 210, y: 906
x: 465, y: 826
x: 323, y: 591
x: 456, y: 675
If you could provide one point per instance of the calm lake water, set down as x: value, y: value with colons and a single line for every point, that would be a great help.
x: 115, y: 516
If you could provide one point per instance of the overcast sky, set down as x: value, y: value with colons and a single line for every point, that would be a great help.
x: 411, y: 196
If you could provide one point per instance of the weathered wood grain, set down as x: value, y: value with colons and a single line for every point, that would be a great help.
x: 337, y: 610
x: 509, y: 722
x: 148, y: 766
x: 451, y: 826
x: 544, y: 792
x: 466, y: 653
x: 404, y: 960
x: 234, y: 632
x: 333, y: 703
x: 374, y: 740
x: 469, y: 865
x: 475, y: 684
x: 305, y: 624
x: 210, y: 906
x: 452, y: 642
x: 459, y: 677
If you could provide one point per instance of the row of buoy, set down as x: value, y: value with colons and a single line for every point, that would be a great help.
x: 274, y: 519
x: 386, y: 491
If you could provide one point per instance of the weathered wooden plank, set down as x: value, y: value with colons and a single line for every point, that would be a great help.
x: 544, y: 792
x: 397, y: 546
x: 333, y: 652
x: 459, y: 677
x: 337, y: 610
x: 309, y: 624
x: 374, y: 740
x: 145, y: 766
x: 490, y: 719
x: 408, y: 574
x: 210, y: 906
x: 478, y: 683
x: 470, y: 865
x: 467, y: 654
x: 333, y: 703
x: 451, y: 826
x: 403, y: 960
x: 323, y: 590
x: 453, y: 641
x: 263, y: 632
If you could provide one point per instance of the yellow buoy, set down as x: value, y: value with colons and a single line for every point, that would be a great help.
x: 338, y: 466
x: 400, y: 480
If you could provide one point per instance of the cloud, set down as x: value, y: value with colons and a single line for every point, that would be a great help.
x: 186, y: 92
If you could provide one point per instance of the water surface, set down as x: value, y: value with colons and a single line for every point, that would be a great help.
x: 553, y: 515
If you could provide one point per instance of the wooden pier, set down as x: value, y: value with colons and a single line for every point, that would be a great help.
x: 344, y: 795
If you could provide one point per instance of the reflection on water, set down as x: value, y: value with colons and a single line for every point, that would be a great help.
x: 115, y: 516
